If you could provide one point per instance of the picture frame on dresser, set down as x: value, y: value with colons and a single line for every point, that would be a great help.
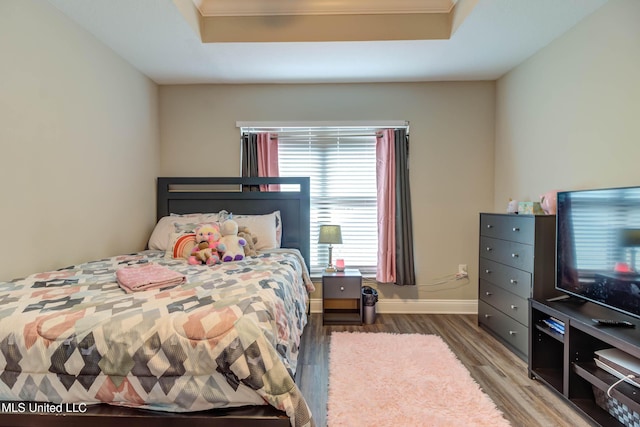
x: 516, y: 262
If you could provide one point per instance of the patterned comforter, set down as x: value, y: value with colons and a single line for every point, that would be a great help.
x: 228, y: 337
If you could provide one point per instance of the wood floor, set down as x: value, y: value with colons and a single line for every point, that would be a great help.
x: 501, y: 374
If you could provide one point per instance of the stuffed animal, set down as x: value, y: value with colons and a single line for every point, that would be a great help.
x: 548, y: 202
x: 208, y: 245
x: 250, y: 247
x: 233, y: 244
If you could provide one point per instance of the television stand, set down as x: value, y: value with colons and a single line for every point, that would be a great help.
x: 565, y: 361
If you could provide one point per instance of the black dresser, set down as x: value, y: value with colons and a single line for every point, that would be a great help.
x: 517, y: 262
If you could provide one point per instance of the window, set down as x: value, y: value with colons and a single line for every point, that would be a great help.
x: 342, y: 167
x: 341, y: 163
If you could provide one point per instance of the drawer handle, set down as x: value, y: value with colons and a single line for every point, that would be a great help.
x: 487, y: 271
x: 514, y: 255
x: 514, y: 307
x: 488, y: 294
x: 513, y: 281
x: 486, y: 316
x: 516, y: 229
x: 489, y: 249
x: 513, y: 332
x: 489, y: 226
x: 342, y: 288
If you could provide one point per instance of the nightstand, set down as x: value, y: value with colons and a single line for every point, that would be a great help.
x: 342, y: 298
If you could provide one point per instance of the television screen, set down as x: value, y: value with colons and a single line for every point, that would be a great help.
x: 598, y: 246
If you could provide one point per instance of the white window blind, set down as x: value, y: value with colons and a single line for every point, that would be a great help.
x: 341, y: 164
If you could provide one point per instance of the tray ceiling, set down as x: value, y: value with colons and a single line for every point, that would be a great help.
x: 319, y: 7
x: 483, y: 40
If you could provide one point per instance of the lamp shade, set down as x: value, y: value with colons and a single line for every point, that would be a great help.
x: 330, y: 234
x: 629, y: 237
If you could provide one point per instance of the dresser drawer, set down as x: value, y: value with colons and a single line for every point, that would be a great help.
x: 512, y: 279
x: 338, y: 288
x: 508, y: 329
x: 515, y: 254
x: 509, y: 227
x: 512, y: 305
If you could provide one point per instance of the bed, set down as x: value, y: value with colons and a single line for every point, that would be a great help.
x: 219, y: 349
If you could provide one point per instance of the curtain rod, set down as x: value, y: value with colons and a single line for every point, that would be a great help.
x: 321, y: 130
x: 320, y: 133
x: 361, y: 135
x: 324, y: 123
x: 283, y: 136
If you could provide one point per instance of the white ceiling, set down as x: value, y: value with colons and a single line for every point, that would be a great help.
x: 497, y: 35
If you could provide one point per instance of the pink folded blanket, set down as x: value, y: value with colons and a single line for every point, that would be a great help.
x: 147, y: 276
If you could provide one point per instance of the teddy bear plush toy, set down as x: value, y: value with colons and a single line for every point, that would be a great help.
x: 250, y: 247
x: 208, y: 245
x: 234, y: 250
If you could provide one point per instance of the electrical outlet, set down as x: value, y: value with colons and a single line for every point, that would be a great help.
x: 462, y: 269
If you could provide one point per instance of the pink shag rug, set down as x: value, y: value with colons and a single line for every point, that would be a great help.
x: 382, y: 379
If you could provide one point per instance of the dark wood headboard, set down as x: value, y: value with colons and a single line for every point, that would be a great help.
x: 181, y: 195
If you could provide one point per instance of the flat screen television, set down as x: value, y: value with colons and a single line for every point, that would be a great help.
x: 598, y: 246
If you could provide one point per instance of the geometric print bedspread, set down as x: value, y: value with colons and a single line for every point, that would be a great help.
x: 227, y: 337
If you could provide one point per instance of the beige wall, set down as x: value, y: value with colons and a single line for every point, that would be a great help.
x: 452, y: 134
x: 569, y: 117
x: 81, y: 138
x: 78, y: 143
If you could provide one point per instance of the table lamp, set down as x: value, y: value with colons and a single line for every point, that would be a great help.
x: 630, y: 238
x: 332, y: 235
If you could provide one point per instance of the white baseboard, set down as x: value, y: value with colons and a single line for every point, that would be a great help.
x: 416, y: 306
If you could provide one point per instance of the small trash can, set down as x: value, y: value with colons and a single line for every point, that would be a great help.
x: 369, y: 299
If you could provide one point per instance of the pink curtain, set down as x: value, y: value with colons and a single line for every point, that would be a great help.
x: 386, y: 184
x: 268, y: 159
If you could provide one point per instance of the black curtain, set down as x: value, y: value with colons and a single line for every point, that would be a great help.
x: 405, y: 271
x: 249, y: 159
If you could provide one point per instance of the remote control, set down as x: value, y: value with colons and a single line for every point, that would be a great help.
x: 611, y: 322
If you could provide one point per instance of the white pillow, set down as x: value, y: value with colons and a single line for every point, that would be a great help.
x: 159, y: 239
x: 214, y: 217
x: 264, y: 227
